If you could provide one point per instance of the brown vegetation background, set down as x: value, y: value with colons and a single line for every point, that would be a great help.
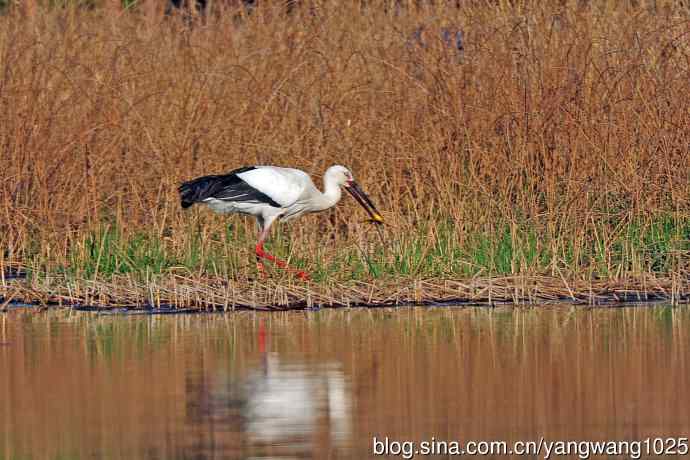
x: 558, y: 115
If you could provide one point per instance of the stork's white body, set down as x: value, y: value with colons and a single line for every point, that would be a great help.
x: 291, y: 188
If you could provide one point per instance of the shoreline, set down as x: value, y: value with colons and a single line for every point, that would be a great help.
x: 176, y: 294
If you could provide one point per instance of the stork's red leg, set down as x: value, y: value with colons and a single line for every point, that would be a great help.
x: 261, y: 254
x: 259, y: 251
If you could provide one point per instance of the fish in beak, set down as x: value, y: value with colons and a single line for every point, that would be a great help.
x: 358, y: 194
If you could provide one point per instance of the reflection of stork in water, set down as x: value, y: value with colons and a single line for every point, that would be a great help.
x: 287, y: 403
x: 290, y: 402
x: 287, y: 406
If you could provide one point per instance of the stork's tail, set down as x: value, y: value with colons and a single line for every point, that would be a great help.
x: 196, y: 190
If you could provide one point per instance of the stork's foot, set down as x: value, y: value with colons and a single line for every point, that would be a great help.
x: 261, y: 254
x: 299, y: 274
x: 303, y: 276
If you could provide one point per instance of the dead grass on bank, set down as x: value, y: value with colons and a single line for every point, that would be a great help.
x: 568, y: 120
x: 220, y: 294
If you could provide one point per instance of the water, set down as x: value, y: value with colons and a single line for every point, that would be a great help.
x: 323, y: 384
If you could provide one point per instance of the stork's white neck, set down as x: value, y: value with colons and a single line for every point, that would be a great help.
x: 330, y: 196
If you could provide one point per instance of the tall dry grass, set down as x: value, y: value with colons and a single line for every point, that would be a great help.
x: 559, y: 128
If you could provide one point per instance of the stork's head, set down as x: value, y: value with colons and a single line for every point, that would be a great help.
x: 343, y: 177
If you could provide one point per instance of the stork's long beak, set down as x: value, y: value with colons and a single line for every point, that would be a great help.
x: 356, y: 191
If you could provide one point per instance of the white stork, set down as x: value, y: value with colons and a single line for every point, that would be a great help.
x: 269, y: 193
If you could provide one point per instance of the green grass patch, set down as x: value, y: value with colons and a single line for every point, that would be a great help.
x: 440, y: 251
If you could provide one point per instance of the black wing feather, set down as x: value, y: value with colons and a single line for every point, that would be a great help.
x: 222, y: 187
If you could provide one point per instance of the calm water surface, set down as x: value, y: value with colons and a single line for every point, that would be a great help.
x: 322, y: 384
